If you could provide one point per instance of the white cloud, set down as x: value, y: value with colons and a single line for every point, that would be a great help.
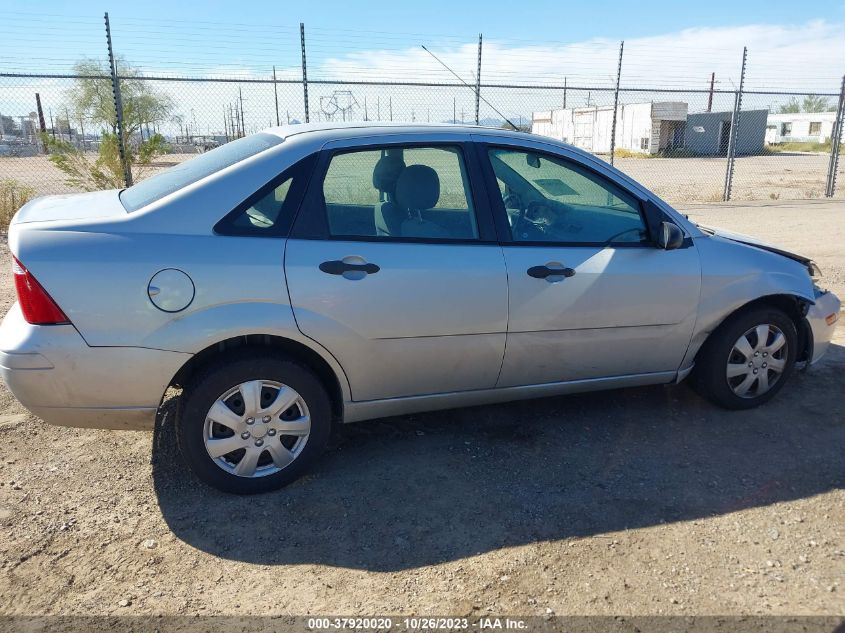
x: 807, y: 57
x: 803, y: 57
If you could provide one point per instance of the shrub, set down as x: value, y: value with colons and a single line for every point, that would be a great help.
x: 799, y: 146
x: 626, y: 153
x: 13, y: 195
x: 106, y: 172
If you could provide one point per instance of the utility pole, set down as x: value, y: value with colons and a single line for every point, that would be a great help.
x: 276, y: 94
x: 616, y: 103
x: 365, y: 109
x: 52, y: 125
x: 564, y: 93
x: 390, y: 105
x: 478, y: 82
x: 41, y: 123
x: 454, y: 109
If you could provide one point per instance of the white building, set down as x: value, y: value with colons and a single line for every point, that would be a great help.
x: 640, y: 127
x: 815, y: 127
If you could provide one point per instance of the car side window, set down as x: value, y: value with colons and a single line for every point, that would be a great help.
x: 264, y: 212
x: 399, y: 192
x: 549, y: 199
x: 269, y: 211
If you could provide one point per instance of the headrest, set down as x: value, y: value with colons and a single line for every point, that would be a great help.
x: 387, y: 171
x: 418, y: 188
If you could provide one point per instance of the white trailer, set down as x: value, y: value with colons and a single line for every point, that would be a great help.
x: 640, y: 127
x: 814, y: 127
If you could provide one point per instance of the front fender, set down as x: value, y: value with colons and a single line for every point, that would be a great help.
x: 732, y: 276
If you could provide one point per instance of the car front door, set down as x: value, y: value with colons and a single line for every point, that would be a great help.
x: 591, y: 296
x: 393, y: 266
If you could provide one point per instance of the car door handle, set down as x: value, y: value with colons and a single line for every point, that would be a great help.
x: 541, y: 272
x: 338, y: 267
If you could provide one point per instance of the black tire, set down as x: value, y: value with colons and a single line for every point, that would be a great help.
x: 710, y: 374
x: 206, y: 387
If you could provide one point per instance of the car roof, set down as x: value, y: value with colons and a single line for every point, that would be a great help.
x: 342, y: 130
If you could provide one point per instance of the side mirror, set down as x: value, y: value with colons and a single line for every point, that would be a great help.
x: 670, y: 236
x: 533, y: 160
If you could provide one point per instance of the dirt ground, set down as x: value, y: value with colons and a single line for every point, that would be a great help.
x: 786, y: 176
x: 640, y: 501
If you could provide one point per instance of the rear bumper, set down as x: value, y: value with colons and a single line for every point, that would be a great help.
x: 56, y: 375
x: 827, y: 304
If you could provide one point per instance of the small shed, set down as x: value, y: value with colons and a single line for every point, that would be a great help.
x: 708, y: 133
x: 640, y: 127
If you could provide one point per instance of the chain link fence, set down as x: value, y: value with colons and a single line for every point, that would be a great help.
x: 706, y: 144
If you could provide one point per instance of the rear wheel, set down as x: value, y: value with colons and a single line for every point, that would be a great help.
x: 253, y: 424
x: 748, y: 359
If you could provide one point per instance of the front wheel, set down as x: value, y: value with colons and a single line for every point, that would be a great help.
x: 253, y: 423
x: 748, y: 359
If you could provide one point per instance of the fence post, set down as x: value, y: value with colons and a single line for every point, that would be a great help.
x: 478, y: 82
x: 241, y: 101
x: 616, y: 103
x: 118, y: 109
x: 836, y: 144
x: 304, y: 69
x: 729, y: 170
x: 276, y: 94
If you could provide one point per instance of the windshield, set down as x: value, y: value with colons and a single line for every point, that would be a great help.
x: 154, y: 188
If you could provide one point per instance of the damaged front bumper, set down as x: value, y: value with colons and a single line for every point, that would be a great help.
x: 821, y: 321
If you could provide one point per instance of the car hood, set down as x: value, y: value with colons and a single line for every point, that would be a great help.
x: 757, y: 243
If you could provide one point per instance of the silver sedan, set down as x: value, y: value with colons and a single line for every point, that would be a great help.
x: 311, y: 274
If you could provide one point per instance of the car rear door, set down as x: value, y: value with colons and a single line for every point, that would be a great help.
x: 404, y: 284
x: 591, y: 296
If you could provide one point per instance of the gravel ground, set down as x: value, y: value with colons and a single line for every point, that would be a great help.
x: 646, y: 501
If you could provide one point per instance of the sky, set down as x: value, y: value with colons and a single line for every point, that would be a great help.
x: 668, y: 45
x: 543, y: 19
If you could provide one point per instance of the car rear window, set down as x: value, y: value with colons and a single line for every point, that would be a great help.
x: 156, y: 187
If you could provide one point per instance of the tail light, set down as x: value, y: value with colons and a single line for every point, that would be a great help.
x: 37, y: 306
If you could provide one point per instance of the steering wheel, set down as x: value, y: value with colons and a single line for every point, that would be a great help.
x: 534, y: 204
